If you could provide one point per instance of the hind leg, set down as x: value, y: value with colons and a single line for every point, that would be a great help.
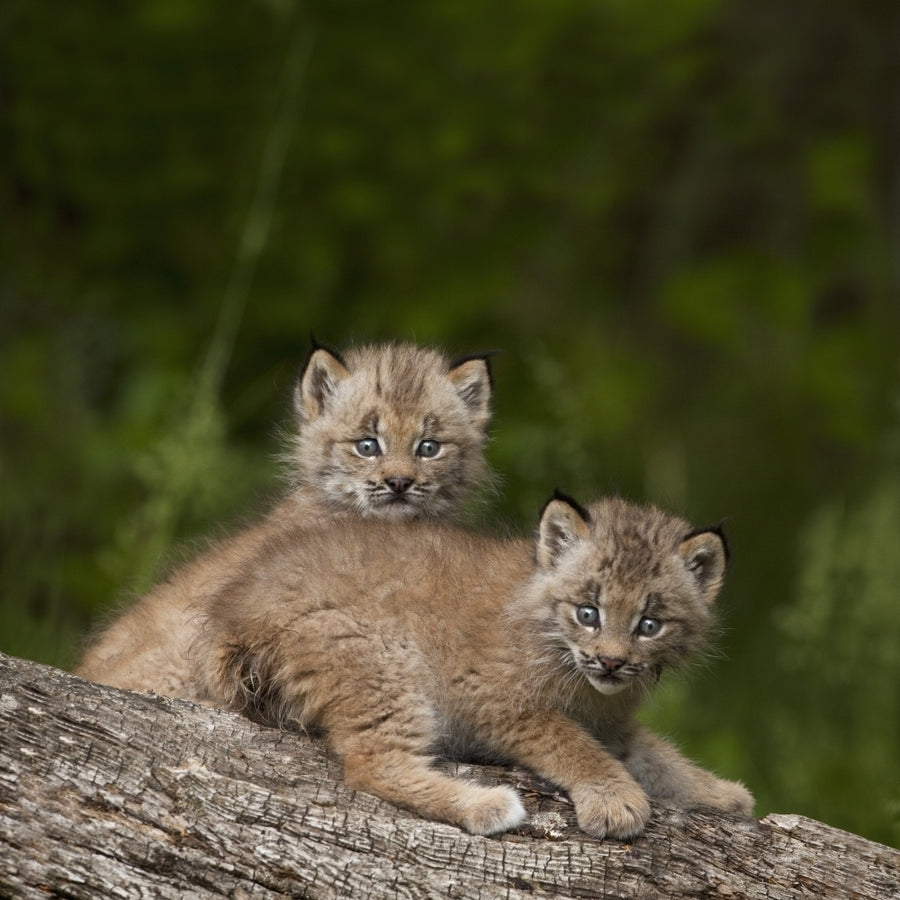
x: 373, y: 697
x: 666, y: 775
x: 408, y: 780
x: 386, y: 742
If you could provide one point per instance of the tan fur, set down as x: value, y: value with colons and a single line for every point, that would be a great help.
x: 399, y: 395
x: 404, y: 641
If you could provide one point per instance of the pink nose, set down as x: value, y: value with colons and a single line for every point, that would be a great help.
x: 611, y: 663
x: 398, y: 484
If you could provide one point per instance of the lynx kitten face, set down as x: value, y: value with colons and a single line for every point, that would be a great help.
x: 620, y: 609
x: 393, y: 431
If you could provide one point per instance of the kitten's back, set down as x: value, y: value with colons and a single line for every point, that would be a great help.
x: 428, y: 416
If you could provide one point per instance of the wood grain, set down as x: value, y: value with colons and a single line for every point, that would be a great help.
x: 117, y: 794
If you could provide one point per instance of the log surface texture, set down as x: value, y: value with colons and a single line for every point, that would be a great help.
x: 109, y: 793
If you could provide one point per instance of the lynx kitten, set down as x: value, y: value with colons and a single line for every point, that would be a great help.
x: 391, y: 432
x: 404, y: 642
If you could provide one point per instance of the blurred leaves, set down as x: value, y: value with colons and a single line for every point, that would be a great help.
x: 839, y: 640
x: 679, y: 223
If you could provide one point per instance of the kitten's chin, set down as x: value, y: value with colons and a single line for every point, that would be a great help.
x: 396, y: 509
x: 606, y: 685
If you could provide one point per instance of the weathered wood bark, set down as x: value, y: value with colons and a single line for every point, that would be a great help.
x: 111, y: 793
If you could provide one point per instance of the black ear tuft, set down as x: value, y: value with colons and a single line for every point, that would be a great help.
x: 472, y: 380
x: 704, y: 553
x: 316, y: 344
x: 718, y: 530
x: 563, y: 525
x: 483, y: 357
x: 570, y: 501
x: 323, y: 370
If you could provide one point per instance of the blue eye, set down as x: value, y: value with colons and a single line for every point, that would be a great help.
x: 428, y: 449
x: 589, y: 616
x: 367, y: 447
x: 648, y: 627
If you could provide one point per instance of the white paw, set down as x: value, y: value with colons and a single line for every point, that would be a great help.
x: 493, y: 810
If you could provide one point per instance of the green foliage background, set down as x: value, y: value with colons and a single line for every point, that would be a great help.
x: 680, y: 222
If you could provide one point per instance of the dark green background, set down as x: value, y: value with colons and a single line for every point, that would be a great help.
x: 680, y: 222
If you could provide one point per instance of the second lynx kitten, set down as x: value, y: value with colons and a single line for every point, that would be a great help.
x: 388, y: 431
x: 403, y: 642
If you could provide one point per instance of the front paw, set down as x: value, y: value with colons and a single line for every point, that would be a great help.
x: 733, y: 797
x: 491, y: 810
x: 614, y: 808
x: 717, y: 793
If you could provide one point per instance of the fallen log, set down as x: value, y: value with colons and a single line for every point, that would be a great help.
x: 112, y: 793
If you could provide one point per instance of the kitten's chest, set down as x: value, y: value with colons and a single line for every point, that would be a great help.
x: 609, y: 718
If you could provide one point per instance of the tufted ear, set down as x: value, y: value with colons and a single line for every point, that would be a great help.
x: 323, y: 372
x: 564, y: 523
x: 472, y: 379
x: 705, y: 556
